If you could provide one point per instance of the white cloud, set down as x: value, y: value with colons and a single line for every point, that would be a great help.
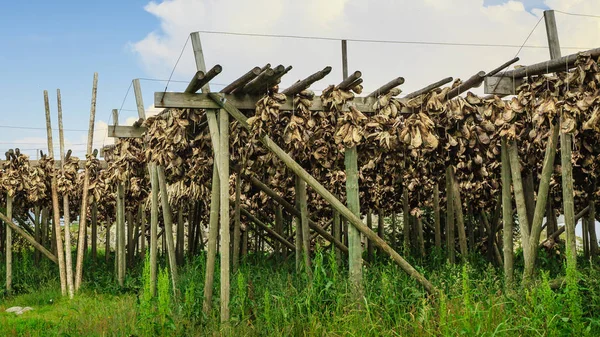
x: 431, y: 20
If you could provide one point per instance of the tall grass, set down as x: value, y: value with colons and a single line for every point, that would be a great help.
x: 270, y: 299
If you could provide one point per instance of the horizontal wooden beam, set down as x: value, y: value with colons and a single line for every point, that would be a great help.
x: 247, y: 102
x: 497, y: 85
x: 550, y: 66
x: 35, y: 162
x: 122, y: 131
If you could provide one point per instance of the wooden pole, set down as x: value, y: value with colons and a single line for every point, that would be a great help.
x: 8, y: 247
x: 279, y: 229
x: 224, y: 210
x: 370, y: 249
x: 353, y: 202
x: 60, y: 254
x: 436, y: 216
x: 592, y: 227
x: 28, y: 237
x: 237, y: 223
x: 565, y: 153
x: 406, y: 220
x: 420, y: 236
x: 130, y: 243
x: 450, y: 218
x: 180, y: 235
x: 541, y: 204
x: 66, y: 213
x: 120, y: 235
x: 302, y: 196
x: 168, y: 221
x: 153, y: 227
x: 213, y: 232
x: 94, y: 231
x: 86, y: 182
x: 380, y: 227
x: 37, y: 236
x: 262, y: 226
x: 107, y: 243
x: 337, y: 234
x: 298, y: 221
x: 296, y: 212
x: 460, y: 222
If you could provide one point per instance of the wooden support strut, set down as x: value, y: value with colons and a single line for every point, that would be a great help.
x: 330, y: 198
x: 296, y: 212
x: 271, y: 232
x: 28, y: 237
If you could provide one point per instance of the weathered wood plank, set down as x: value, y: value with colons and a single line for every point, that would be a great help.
x: 122, y: 131
x: 247, y: 102
x: 500, y: 85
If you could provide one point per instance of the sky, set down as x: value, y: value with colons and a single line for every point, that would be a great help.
x: 49, y: 45
x: 60, y: 44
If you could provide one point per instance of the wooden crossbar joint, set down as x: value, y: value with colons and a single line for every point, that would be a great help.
x: 497, y: 85
x: 122, y: 131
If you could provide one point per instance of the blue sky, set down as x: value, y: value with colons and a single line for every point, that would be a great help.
x: 60, y: 44
x: 529, y: 4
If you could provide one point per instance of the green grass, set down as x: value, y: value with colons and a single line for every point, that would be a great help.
x: 88, y: 314
x: 269, y: 299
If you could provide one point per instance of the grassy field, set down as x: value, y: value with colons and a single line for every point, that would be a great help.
x: 269, y: 299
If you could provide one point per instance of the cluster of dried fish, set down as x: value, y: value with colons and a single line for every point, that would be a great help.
x: 67, y: 177
x: 169, y: 137
x: 16, y: 174
x: 39, y: 180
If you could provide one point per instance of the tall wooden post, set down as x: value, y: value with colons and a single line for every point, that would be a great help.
x: 168, y: 222
x: 107, y: 243
x: 370, y: 249
x: 153, y: 227
x: 406, y: 220
x: 298, y: 226
x: 8, y: 246
x: 37, y: 234
x: 237, y: 223
x: 142, y: 215
x: 84, y: 197
x: 180, y: 236
x: 60, y: 254
x: 565, y: 153
x: 120, y: 235
x: 352, y: 197
x: 450, y: 218
x: 436, y: 216
x: 460, y: 221
x: 302, y: 196
x: 224, y: 207
x: 94, y: 231
x: 337, y: 234
x: 279, y: 229
x: 66, y: 213
x: 380, y: 227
